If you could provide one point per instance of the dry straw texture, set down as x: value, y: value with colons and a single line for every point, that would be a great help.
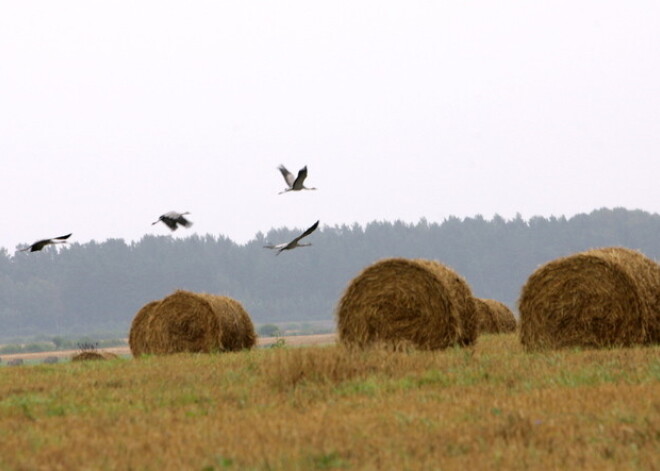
x: 192, y: 322
x: 93, y: 355
x: 138, y: 333
x: 491, y: 407
x: 399, y: 302
x: 494, y: 317
x: 600, y: 298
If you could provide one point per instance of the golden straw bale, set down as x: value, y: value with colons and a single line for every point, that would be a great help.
x: 494, y: 317
x: 137, y: 334
x: 607, y: 297
x: 197, y: 322
x: 485, y: 317
x: 461, y: 298
x: 241, y: 334
x: 93, y: 355
x: 401, y: 302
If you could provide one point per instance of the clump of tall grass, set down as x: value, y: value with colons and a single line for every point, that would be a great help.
x: 292, y: 367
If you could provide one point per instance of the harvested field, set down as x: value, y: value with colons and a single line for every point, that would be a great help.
x: 491, y: 406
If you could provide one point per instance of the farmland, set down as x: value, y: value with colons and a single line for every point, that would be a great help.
x: 491, y: 406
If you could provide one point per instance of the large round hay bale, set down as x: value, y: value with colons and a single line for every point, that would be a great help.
x: 196, y: 322
x: 138, y: 333
x: 606, y: 297
x: 494, y: 317
x: 397, y: 302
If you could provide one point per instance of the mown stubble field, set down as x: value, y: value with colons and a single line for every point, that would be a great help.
x: 322, y: 407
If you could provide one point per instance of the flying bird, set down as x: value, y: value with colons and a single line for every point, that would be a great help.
x: 173, y: 220
x: 294, y: 184
x: 40, y: 244
x: 295, y: 242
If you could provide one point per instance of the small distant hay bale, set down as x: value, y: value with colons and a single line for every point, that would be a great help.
x: 401, y: 302
x: 138, y: 333
x: 600, y: 298
x: 192, y: 322
x: 494, y: 317
x: 91, y: 355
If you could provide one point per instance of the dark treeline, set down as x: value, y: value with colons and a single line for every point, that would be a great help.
x: 96, y: 287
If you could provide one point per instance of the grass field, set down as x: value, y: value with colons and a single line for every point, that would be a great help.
x: 321, y: 407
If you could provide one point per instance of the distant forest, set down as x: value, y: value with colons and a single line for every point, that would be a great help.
x: 94, y: 287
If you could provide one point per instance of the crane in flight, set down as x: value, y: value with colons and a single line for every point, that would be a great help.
x: 294, y: 184
x: 40, y: 244
x: 173, y: 220
x: 295, y: 242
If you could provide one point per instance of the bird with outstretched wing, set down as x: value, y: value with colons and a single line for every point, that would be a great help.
x: 295, y: 242
x: 294, y: 184
x: 173, y: 220
x: 40, y: 244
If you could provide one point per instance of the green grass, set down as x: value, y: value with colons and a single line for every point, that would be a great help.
x: 489, y: 407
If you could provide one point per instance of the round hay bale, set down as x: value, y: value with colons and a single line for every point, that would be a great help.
x: 137, y: 335
x: 485, y: 317
x: 462, y: 300
x: 242, y: 334
x: 93, y: 355
x: 607, y: 297
x: 197, y: 323
x: 398, y: 301
x: 494, y: 317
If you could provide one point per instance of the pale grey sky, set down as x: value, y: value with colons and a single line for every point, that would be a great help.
x: 112, y: 113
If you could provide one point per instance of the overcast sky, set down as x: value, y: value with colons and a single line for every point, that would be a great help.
x: 114, y: 112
